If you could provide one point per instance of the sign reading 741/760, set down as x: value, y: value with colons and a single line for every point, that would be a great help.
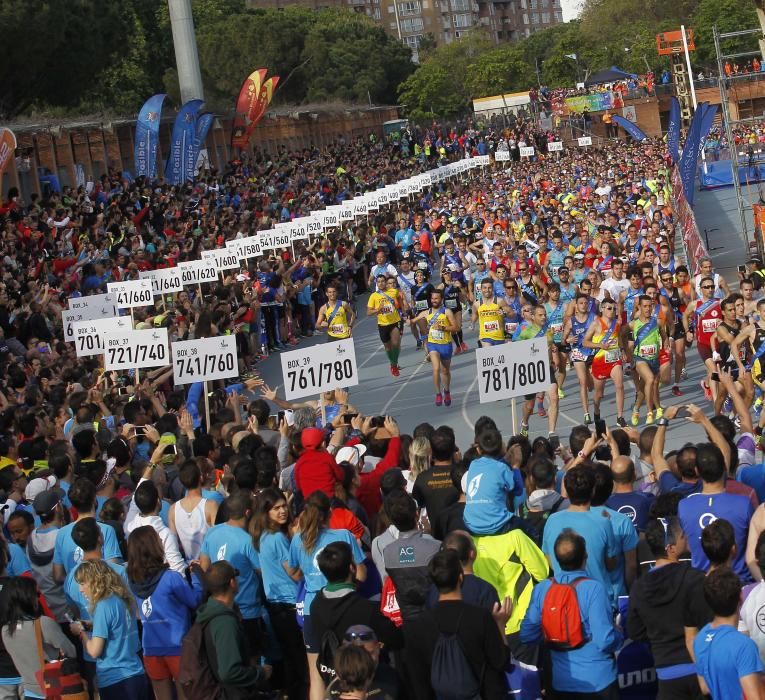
x: 513, y: 369
x: 320, y: 368
x: 204, y: 359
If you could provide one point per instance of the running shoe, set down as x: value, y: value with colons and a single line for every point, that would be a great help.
x: 676, y: 391
x: 649, y: 418
x: 561, y: 394
x: 447, y: 398
x: 635, y: 419
x: 524, y: 430
x: 707, y: 391
x: 541, y: 409
x: 621, y: 422
x: 683, y: 374
x: 727, y: 405
x: 587, y: 419
x: 439, y: 399
x: 457, y: 350
x: 659, y: 413
x: 419, y: 345
x: 394, y: 370
x: 464, y: 347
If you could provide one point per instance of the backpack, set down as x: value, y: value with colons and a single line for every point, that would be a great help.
x: 537, y: 519
x: 325, y: 663
x: 451, y: 674
x: 196, y: 675
x: 561, y: 619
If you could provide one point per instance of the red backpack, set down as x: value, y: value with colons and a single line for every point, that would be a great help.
x: 561, y: 619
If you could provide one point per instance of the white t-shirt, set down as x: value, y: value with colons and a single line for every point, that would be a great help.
x: 615, y: 287
x: 752, y: 612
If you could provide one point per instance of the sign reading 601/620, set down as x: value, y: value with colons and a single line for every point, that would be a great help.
x: 513, y: 369
x: 320, y: 368
x: 204, y: 359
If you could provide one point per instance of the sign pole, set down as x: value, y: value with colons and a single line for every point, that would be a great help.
x: 323, y: 411
x: 512, y: 413
x: 207, y: 409
x: 132, y: 325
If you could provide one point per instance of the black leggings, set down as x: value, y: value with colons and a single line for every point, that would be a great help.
x: 294, y: 671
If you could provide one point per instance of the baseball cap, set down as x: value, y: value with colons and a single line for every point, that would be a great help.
x: 45, y: 501
x: 38, y: 486
x: 311, y: 438
x: 351, y: 453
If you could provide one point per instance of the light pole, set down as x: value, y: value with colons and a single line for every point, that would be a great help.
x: 186, y: 56
x: 575, y: 59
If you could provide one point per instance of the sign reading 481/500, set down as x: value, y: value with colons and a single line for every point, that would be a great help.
x: 320, y: 368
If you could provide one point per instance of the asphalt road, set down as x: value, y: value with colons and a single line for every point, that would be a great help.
x: 410, y: 397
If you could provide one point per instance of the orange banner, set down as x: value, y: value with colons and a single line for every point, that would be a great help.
x: 246, y: 105
x: 264, y: 99
x: 7, y: 149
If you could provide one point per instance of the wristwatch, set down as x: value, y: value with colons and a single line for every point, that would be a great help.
x: 664, y: 422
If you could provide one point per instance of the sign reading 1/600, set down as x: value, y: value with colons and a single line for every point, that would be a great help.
x: 513, y: 369
x: 320, y: 368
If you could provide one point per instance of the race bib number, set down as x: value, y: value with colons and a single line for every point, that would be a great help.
x: 577, y: 355
x: 490, y: 326
x: 386, y: 309
x: 436, y: 334
x: 648, y: 350
x: 337, y: 330
x: 556, y: 328
x: 510, y: 327
x: 613, y: 355
x: 422, y: 265
x: 709, y: 325
x: 421, y: 305
x: 451, y: 303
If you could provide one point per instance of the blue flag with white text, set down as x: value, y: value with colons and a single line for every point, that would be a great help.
x: 630, y: 127
x: 182, y: 144
x: 147, y: 137
x: 673, y: 131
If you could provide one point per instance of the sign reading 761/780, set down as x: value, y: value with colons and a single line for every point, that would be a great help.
x: 320, y: 368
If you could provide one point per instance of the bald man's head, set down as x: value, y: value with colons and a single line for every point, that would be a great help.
x: 570, y: 550
x: 623, y: 469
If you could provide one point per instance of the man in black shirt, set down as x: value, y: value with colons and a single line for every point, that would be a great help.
x: 451, y: 517
x: 433, y: 488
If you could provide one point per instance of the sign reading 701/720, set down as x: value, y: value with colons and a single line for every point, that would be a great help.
x: 320, y: 368
x: 513, y: 369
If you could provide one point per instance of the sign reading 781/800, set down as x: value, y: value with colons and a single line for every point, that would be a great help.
x: 513, y: 369
x: 320, y: 368
x: 204, y: 359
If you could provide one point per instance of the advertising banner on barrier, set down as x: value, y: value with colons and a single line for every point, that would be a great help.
x: 686, y: 220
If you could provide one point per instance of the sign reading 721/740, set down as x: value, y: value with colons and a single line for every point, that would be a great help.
x: 320, y: 368
x: 204, y: 359
x: 135, y: 349
x: 513, y: 369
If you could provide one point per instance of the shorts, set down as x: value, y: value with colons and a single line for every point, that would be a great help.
x: 664, y: 357
x: 486, y: 342
x: 705, y: 351
x: 678, y: 332
x: 562, y: 347
x: 653, y: 363
x: 444, y: 350
x: 386, y: 331
x: 162, y: 668
x: 601, y: 369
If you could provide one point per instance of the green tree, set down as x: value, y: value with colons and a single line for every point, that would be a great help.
x: 729, y: 16
x: 499, y: 70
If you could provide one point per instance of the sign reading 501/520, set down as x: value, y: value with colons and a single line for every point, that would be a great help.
x: 513, y: 369
x: 320, y: 368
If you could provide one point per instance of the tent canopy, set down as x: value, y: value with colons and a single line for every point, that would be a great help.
x: 610, y: 75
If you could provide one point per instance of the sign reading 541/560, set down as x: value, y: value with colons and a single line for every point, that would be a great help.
x: 513, y: 369
x: 204, y: 359
x: 135, y: 349
x: 320, y: 368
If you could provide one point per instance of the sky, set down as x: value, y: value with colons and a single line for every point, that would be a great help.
x: 570, y: 9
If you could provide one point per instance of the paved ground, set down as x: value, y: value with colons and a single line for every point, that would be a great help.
x: 409, y: 398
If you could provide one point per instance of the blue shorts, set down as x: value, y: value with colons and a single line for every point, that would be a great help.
x: 653, y: 364
x: 485, y: 342
x: 442, y: 349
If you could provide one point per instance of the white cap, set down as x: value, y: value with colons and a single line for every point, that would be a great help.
x: 352, y: 454
x: 38, y: 485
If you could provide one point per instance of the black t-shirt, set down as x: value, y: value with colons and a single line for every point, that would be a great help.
x: 433, y: 490
x: 449, y: 519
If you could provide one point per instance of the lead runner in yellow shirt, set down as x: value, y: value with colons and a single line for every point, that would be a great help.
x: 491, y: 314
x: 385, y: 304
x: 441, y: 323
x: 337, y: 316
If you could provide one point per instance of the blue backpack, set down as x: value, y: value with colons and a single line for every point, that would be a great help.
x: 451, y: 674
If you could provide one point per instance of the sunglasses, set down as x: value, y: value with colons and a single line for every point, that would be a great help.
x: 360, y: 637
x: 522, y: 269
x: 707, y: 286
x: 607, y: 308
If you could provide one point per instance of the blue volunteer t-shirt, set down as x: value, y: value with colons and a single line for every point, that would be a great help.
x: 634, y: 505
x: 753, y: 475
x: 626, y: 539
x: 67, y: 554
x: 306, y: 561
x: 18, y: 562
x: 234, y: 545
x: 723, y: 656
x: 700, y: 509
x: 597, y: 533
x: 274, y: 553
x: 489, y: 482
x: 116, y: 623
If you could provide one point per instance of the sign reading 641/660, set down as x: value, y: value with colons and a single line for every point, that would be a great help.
x: 513, y: 369
x: 320, y: 368
x: 204, y: 359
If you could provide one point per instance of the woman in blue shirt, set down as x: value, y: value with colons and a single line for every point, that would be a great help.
x: 165, y: 605
x: 113, y: 642
x: 270, y: 536
x: 314, y: 534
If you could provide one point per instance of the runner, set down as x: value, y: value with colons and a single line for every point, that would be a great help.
x: 678, y: 302
x: 603, y: 336
x: 406, y: 283
x: 386, y: 304
x: 454, y: 296
x: 574, y: 329
x: 336, y: 316
x: 441, y: 323
x: 490, y: 315
x: 420, y: 302
x: 703, y: 316
x: 648, y: 337
x: 555, y: 309
x: 722, y: 344
x: 752, y: 334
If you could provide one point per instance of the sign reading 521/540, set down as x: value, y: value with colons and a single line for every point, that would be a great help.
x: 204, y: 359
x: 135, y: 349
x: 513, y: 369
x: 321, y: 368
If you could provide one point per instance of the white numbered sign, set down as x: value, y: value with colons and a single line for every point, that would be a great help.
x: 87, y: 309
x: 527, y: 151
x: 130, y: 294
x: 204, y: 359
x: 513, y: 369
x: 585, y: 141
x: 554, y: 146
x: 166, y: 281
x: 320, y: 368
x: 136, y: 349
x: 500, y: 156
x: 89, y: 335
x: 197, y: 271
